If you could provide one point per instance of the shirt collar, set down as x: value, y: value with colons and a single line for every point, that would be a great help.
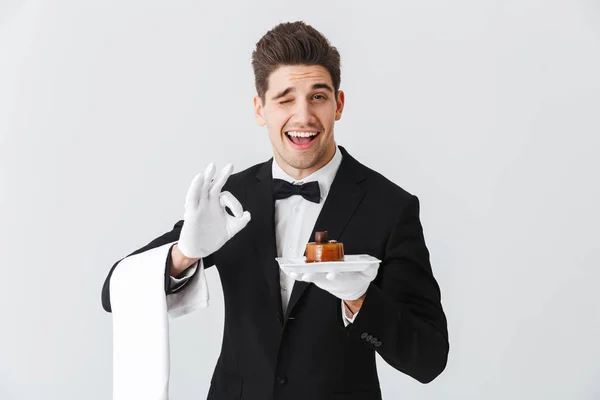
x: 324, y: 175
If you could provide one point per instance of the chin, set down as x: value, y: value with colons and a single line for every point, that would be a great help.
x: 304, y: 160
x: 300, y: 162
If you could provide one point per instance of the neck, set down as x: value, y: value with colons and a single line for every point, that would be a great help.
x: 299, y: 174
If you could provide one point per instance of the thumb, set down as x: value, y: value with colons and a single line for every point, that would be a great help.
x: 236, y: 224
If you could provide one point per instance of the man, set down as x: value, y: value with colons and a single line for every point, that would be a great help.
x: 312, y: 336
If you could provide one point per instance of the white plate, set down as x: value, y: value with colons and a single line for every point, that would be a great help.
x: 352, y: 262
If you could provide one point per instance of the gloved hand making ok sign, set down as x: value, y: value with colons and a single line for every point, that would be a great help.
x: 207, y: 226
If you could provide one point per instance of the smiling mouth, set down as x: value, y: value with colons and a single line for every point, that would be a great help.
x: 302, y: 138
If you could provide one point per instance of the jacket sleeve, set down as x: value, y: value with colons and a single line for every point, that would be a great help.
x: 176, y: 283
x: 402, y: 317
x: 169, y: 237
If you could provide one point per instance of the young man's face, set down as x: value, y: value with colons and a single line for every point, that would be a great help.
x: 299, y: 111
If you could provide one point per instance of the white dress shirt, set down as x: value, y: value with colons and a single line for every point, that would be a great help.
x: 295, y: 218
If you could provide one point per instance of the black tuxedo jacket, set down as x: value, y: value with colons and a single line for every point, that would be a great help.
x: 308, y: 354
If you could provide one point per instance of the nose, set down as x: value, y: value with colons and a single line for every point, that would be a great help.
x: 303, y: 113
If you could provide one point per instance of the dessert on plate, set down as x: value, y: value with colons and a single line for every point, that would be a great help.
x: 323, y: 249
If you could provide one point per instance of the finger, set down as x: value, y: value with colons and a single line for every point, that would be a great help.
x: 208, y: 176
x: 237, y: 224
x: 308, y: 276
x: 220, y: 180
x: 226, y: 199
x: 191, y: 198
x: 371, y: 272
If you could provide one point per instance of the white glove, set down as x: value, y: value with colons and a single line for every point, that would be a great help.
x: 343, y: 285
x: 207, y: 226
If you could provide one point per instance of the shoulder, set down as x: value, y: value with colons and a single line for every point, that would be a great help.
x: 379, y: 185
x: 389, y: 204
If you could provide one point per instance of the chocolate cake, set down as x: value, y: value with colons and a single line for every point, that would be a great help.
x: 323, y: 249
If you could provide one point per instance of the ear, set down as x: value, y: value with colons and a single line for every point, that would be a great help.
x: 339, y: 105
x: 258, y: 111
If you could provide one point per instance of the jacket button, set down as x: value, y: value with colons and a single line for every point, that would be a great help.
x: 377, y: 344
x: 364, y: 335
x: 282, y: 380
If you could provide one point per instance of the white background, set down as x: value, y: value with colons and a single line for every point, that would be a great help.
x: 489, y: 111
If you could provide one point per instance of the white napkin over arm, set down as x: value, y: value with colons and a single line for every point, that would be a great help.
x: 141, y: 312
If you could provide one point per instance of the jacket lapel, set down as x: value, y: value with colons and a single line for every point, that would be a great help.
x: 344, y: 197
x: 260, y: 203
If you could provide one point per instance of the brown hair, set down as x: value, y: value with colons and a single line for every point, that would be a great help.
x: 293, y: 43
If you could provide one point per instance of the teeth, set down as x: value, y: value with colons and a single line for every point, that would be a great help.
x: 302, y: 134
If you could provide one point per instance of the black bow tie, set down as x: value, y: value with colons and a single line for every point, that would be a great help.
x: 283, y: 189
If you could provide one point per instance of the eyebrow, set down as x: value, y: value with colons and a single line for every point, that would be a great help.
x: 292, y: 89
x: 283, y: 93
x: 322, y: 86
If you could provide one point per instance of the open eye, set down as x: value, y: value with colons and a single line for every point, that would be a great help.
x: 319, y: 97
